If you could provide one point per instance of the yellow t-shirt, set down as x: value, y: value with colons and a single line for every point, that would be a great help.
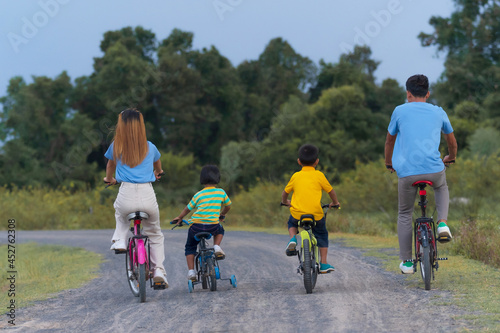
x: 307, y: 186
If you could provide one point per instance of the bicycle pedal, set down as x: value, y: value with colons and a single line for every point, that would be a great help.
x: 219, y: 256
x: 444, y: 239
x: 159, y: 285
x: 120, y: 251
x: 442, y: 258
x: 328, y: 272
x: 291, y: 253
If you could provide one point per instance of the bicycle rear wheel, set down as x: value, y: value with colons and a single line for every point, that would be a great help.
x: 425, y: 266
x: 132, y: 272
x: 306, y: 266
x: 212, y: 279
x: 204, y: 275
x: 142, y: 283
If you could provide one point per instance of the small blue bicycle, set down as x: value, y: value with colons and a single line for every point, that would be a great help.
x: 207, y: 265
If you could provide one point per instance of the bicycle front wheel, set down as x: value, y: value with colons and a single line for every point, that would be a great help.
x: 425, y: 266
x: 142, y: 282
x: 306, y: 266
x: 212, y: 279
x: 315, y: 267
x: 132, y: 272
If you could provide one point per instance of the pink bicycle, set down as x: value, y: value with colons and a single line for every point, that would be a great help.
x: 138, y: 260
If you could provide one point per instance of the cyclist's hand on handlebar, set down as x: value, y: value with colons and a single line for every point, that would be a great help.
x: 159, y: 174
x: 390, y: 168
x: 177, y: 221
x: 335, y: 205
x: 110, y: 181
x: 447, y: 160
x: 288, y: 203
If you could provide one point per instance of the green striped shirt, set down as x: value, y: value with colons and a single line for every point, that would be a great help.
x: 208, y: 202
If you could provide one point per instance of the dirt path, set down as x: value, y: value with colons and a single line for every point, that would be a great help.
x: 358, y: 297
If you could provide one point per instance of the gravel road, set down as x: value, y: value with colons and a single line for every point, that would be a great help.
x: 358, y: 297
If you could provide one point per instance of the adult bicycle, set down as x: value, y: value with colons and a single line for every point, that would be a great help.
x: 424, y: 231
x: 207, y: 264
x: 309, y: 261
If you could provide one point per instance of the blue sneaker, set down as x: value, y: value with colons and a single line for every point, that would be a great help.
x: 326, y: 268
x: 292, y: 244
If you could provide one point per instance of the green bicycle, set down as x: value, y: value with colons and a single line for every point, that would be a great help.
x: 308, y: 254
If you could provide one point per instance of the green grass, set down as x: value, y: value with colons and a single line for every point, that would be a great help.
x: 474, y: 285
x: 43, y: 270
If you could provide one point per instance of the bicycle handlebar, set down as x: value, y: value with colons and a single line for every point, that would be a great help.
x: 322, y: 206
x: 109, y: 184
x: 183, y: 222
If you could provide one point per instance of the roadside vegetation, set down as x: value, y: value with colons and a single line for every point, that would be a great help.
x: 475, y: 286
x: 368, y: 196
x: 43, y: 270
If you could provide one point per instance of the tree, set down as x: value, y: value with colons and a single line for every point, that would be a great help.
x: 125, y: 76
x: 138, y: 41
x: 471, y: 39
x: 355, y: 68
x: 269, y: 81
x: 201, y: 98
x: 47, y: 142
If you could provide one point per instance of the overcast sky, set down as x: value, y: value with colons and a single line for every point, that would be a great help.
x: 45, y: 37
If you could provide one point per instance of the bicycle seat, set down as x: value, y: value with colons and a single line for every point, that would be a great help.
x: 418, y: 182
x: 201, y: 235
x: 309, y: 217
x: 137, y: 215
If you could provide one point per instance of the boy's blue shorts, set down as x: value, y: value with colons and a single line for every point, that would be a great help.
x: 192, y: 243
x: 319, y: 230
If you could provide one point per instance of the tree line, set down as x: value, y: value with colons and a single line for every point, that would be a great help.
x: 251, y: 118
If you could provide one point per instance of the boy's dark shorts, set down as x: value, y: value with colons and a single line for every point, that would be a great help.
x: 319, y: 230
x: 192, y: 243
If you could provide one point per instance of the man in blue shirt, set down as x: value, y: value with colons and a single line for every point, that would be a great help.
x: 412, y: 150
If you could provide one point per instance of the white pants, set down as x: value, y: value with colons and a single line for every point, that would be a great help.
x: 140, y: 197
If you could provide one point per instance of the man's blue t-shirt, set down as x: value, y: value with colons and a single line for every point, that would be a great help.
x: 418, y: 126
x: 142, y: 173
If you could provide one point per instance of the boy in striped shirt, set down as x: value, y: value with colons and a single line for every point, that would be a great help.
x: 208, y: 203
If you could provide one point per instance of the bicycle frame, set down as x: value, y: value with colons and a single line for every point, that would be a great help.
x: 203, y: 255
x: 424, y: 231
x: 138, y: 242
x: 306, y: 234
x: 424, y: 227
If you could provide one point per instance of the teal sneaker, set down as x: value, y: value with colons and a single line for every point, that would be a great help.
x: 444, y: 234
x: 326, y: 268
x: 406, y: 267
x: 292, y: 244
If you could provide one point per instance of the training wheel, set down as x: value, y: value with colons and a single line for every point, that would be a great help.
x: 217, y: 273
x: 190, y: 286
x: 233, y: 281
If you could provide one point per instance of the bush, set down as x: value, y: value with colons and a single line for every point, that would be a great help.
x: 42, y: 208
x: 51, y: 209
x: 479, y: 239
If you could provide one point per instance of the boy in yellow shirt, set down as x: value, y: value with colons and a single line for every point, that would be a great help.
x: 307, y: 186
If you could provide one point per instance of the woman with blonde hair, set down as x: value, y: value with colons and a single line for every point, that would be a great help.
x: 136, y: 164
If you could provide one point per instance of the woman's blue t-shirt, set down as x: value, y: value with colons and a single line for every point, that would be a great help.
x: 418, y: 127
x: 142, y: 173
